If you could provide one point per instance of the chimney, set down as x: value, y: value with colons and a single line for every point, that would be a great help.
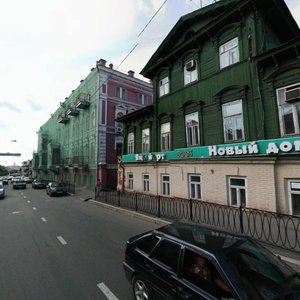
x: 130, y: 73
x: 111, y: 66
x: 101, y: 62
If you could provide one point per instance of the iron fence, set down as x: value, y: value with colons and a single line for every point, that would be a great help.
x: 276, y: 229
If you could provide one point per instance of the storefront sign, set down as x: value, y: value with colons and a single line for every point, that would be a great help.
x: 276, y: 147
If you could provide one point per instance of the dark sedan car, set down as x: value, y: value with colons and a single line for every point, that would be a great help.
x: 19, y: 184
x: 39, y: 184
x: 186, y: 261
x: 55, y: 188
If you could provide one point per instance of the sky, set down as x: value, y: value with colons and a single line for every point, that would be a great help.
x: 47, y: 47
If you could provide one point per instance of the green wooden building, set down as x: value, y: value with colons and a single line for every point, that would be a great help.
x: 225, y: 123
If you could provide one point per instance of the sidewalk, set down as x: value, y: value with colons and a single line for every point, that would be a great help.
x: 290, y: 257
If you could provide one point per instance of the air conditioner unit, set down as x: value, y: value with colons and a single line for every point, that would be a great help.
x: 292, y: 94
x: 191, y: 65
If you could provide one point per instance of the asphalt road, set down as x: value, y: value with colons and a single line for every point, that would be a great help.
x: 62, y: 248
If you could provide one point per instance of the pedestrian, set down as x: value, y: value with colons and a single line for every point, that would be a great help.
x: 98, y: 187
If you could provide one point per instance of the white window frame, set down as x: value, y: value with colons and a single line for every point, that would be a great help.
x: 165, y: 136
x: 146, y: 182
x: 192, y: 129
x: 142, y: 99
x: 233, y: 118
x: 130, y: 143
x: 238, y: 189
x: 145, y: 140
x: 195, y: 191
x: 164, y: 87
x: 130, y: 181
x: 229, y: 53
x: 293, y: 189
x: 165, y: 185
x: 292, y: 105
x: 192, y: 75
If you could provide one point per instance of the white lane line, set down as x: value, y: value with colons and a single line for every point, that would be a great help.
x: 44, y: 219
x: 34, y: 208
x: 106, y: 291
x: 25, y: 197
x: 61, y: 240
x: 17, y: 212
x: 28, y: 201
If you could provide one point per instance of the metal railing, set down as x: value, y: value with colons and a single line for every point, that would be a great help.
x: 276, y: 229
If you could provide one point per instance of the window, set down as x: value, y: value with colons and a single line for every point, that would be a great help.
x: 164, y: 86
x: 166, y: 185
x: 229, y: 53
x: 130, y: 149
x: 146, y: 178
x: 233, y: 121
x: 145, y: 140
x: 294, y: 197
x: 165, y: 137
x: 237, y: 192
x: 195, y: 187
x: 190, y: 72
x: 192, y: 129
x: 288, y: 99
x: 167, y: 253
x: 120, y: 93
x: 130, y: 181
x: 142, y: 99
x: 148, y: 243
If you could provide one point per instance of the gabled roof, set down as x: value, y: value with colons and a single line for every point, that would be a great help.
x: 208, y: 20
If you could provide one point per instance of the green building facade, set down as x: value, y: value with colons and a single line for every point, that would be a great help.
x: 224, y: 126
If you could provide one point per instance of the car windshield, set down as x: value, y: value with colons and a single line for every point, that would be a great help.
x: 56, y: 184
x: 262, y: 274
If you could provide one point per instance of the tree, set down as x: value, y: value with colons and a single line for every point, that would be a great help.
x: 3, y: 171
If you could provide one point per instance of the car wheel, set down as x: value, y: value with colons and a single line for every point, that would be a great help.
x: 141, y: 289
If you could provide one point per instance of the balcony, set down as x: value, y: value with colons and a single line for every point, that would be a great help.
x: 72, y: 111
x: 83, y: 101
x: 63, y: 118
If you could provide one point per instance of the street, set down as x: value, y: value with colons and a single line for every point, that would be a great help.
x: 62, y: 247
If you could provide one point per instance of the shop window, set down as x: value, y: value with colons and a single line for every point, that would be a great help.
x: 146, y: 181
x: 294, y: 195
x: 195, y: 187
x: 229, y: 53
x: 288, y: 99
x: 237, y: 191
x: 233, y: 121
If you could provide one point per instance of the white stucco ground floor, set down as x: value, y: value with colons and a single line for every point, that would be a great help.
x: 265, y: 183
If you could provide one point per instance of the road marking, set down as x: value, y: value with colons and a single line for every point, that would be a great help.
x: 62, y: 240
x: 34, y: 208
x: 17, y: 212
x: 25, y: 197
x: 44, y: 219
x: 28, y: 201
x: 106, y: 291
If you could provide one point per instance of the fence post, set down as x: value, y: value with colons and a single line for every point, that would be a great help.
x: 136, y: 208
x: 158, y: 206
x: 241, y: 220
x: 191, y: 209
x: 119, y: 196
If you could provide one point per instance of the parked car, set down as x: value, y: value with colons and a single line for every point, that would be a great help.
x: 5, y: 180
x: 28, y: 179
x: 16, y: 178
x: 186, y: 261
x: 39, y: 184
x: 2, y: 190
x: 19, y: 184
x: 55, y: 188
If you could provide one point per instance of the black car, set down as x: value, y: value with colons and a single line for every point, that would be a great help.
x: 55, y: 188
x: 19, y: 184
x: 39, y: 184
x: 186, y: 261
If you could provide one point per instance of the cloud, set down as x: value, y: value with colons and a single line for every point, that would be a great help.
x: 34, y: 106
x: 9, y: 106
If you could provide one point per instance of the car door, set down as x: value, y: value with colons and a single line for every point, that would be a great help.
x: 162, y: 269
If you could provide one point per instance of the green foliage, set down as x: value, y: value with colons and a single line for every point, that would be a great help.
x: 3, y: 171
